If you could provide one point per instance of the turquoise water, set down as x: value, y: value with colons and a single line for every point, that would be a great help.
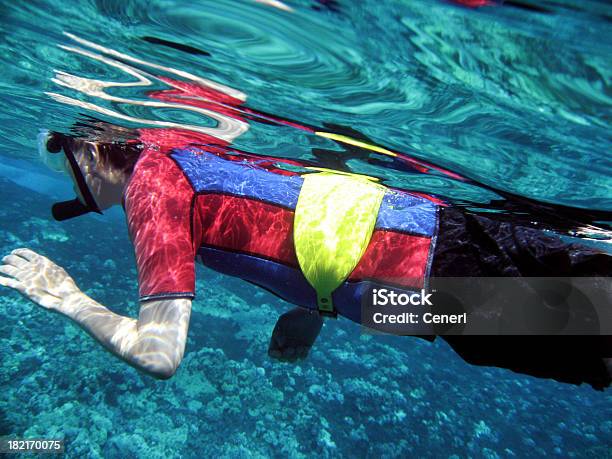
x: 511, y: 98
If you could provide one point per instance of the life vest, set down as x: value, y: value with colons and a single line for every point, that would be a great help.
x: 308, y: 237
x: 334, y: 219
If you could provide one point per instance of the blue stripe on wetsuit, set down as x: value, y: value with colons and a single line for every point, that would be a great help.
x: 289, y: 283
x: 208, y: 172
x: 407, y: 213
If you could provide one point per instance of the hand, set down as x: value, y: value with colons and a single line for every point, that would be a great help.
x: 38, y: 279
x: 294, y: 334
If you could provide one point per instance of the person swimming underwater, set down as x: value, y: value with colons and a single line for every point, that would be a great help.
x: 236, y: 213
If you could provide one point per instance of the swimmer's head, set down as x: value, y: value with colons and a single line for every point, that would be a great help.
x: 99, y: 170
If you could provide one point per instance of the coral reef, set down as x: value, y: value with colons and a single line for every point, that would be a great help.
x: 356, y: 395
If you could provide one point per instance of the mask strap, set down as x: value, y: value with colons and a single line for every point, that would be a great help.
x: 90, y: 202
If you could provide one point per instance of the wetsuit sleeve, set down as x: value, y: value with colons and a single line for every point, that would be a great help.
x: 159, y: 206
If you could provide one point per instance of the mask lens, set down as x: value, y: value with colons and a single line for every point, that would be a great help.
x: 48, y: 149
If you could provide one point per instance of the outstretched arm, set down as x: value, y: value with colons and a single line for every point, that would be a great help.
x: 154, y: 343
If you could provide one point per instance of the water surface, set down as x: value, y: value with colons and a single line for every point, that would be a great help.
x: 515, y: 97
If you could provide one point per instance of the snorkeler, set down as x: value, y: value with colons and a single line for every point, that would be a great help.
x: 315, y: 237
x: 247, y: 216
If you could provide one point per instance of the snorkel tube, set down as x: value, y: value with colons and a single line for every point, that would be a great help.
x: 66, y: 210
x: 53, y: 143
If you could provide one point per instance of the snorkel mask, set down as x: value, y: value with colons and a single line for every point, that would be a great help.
x: 50, y: 144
